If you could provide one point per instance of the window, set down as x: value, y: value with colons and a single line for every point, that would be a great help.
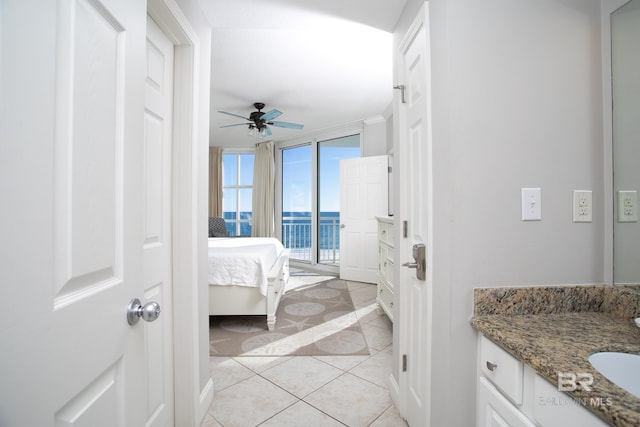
x: 237, y: 192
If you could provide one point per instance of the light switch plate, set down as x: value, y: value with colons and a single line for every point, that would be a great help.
x: 582, y: 206
x: 627, y: 206
x: 531, y: 204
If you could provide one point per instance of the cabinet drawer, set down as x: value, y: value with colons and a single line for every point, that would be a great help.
x: 502, y: 369
x: 385, y: 298
x: 385, y: 232
x: 388, y: 272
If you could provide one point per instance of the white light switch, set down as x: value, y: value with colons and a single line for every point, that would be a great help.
x: 627, y: 206
x: 531, y: 204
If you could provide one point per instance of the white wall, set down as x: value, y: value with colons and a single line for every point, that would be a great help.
x: 374, y: 137
x: 516, y: 103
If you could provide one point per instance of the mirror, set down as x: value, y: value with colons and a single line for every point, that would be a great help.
x: 625, y: 77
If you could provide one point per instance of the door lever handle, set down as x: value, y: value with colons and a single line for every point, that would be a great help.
x: 410, y: 264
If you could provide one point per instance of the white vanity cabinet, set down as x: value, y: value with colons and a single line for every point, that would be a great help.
x: 500, y: 387
x: 511, y: 393
x: 385, y: 265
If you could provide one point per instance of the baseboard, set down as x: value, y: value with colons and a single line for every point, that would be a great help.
x: 394, y: 392
x: 206, y: 399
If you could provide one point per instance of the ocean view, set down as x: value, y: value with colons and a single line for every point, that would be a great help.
x: 296, y: 228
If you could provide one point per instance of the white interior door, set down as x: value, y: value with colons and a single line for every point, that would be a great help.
x: 414, y: 309
x: 158, y: 285
x: 363, y: 197
x: 73, y: 171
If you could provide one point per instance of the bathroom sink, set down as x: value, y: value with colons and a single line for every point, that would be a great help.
x: 622, y: 369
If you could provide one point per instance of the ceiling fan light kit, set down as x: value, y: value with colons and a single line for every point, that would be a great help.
x: 260, y: 121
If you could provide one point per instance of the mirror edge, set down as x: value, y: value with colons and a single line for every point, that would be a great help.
x: 607, y: 8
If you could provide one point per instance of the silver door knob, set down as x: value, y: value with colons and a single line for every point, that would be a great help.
x: 342, y: 226
x: 148, y: 312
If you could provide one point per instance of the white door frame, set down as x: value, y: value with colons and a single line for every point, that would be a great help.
x: 190, y: 403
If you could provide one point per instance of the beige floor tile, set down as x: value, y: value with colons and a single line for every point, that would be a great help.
x: 369, y: 312
x: 375, y: 369
x: 302, y: 375
x: 343, y: 362
x: 362, y: 299
x: 226, y: 372
x: 249, y: 403
x: 377, y: 338
x: 379, y: 319
x: 301, y: 414
x: 351, y: 400
x: 390, y: 418
x: 250, y: 391
x: 209, y: 421
x: 261, y: 363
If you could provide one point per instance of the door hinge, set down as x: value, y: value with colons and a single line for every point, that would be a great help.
x: 390, y: 169
x: 401, y: 88
x: 404, y: 363
x: 405, y: 228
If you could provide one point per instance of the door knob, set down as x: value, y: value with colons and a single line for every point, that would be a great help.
x: 410, y: 264
x: 342, y: 226
x: 148, y: 312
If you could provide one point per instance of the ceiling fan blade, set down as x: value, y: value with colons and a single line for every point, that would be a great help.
x: 237, y: 124
x: 267, y: 131
x: 231, y: 114
x: 271, y: 115
x: 287, y: 125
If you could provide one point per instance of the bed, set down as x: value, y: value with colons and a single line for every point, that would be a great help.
x: 247, y: 276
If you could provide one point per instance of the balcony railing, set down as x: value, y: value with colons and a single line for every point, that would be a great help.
x: 297, y: 236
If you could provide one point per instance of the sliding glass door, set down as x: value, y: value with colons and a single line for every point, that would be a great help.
x: 297, y: 202
x: 311, y: 198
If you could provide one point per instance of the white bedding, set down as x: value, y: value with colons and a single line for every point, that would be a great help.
x: 242, y: 261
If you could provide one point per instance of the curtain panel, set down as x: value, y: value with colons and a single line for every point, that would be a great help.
x: 262, y: 223
x: 215, y: 181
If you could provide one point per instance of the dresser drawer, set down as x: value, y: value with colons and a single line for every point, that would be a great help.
x: 385, y: 298
x: 385, y: 232
x: 503, y: 370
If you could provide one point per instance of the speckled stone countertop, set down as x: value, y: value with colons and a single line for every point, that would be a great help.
x: 556, y: 329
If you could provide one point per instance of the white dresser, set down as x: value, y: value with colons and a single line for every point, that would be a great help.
x: 386, y: 242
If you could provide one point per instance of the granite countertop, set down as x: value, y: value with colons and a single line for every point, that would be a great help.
x: 556, y: 329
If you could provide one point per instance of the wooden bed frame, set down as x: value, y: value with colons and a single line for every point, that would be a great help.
x: 244, y: 300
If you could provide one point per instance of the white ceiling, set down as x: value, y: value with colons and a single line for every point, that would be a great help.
x: 322, y: 63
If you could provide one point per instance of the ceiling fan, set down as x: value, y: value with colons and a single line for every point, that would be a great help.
x: 260, y: 121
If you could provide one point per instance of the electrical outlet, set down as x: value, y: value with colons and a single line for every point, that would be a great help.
x: 627, y: 206
x: 582, y: 206
x: 531, y: 204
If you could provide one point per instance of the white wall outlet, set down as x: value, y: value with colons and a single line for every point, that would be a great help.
x: 627, y: 206
x: 582, y: 206
x: 531, y: 204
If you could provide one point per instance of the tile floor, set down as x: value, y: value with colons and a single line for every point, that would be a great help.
x: 310, y: 391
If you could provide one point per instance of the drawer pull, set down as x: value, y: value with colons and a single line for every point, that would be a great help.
x: 491, y: 366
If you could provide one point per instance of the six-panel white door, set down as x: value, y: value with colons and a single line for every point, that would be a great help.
x: 363, y: 196
x: 413, y: 313
x: 80, y: 230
